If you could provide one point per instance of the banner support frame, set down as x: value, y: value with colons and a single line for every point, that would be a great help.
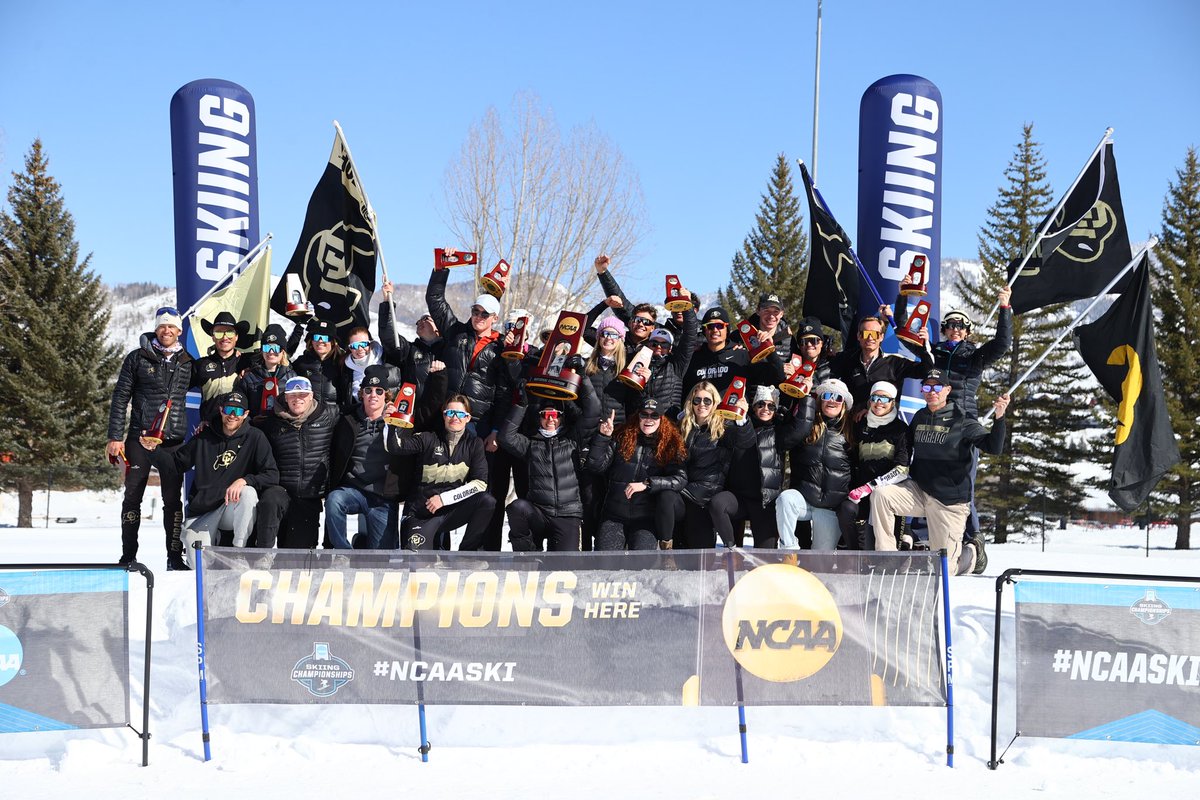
x: 949, y: 661
x: 200, y: 649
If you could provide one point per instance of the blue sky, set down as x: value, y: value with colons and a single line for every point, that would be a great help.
x: 700, y: 98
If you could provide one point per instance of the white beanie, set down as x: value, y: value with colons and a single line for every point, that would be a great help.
x: 834, y: 385
x: 168, y: 316
x: 765, y: 392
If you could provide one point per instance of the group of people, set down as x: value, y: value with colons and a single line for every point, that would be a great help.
x: 643, y: 457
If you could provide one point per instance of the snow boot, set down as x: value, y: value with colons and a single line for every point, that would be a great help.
x: 981, y: 559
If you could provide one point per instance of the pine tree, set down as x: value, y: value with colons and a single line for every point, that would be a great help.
x: 1176, y: 291
x: 56, y: 370
x: 1034, y: 475
x: 774, y: 256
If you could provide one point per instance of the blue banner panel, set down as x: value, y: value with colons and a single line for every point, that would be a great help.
x: 64, y: 650
x: 1109, y: 662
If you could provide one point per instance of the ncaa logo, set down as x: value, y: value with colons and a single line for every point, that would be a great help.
x: 781, y: 623
x: 11, y: 655
x: 321, y: 672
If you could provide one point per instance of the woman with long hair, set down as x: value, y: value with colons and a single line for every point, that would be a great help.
x: 820, y: 467
x: 321, y: 361
x: 710, y: 446
x: 603, y: 365
x: 641, y: 458
x: 264, y: 379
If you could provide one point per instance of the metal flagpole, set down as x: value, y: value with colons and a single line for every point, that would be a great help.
x: 949, y: 660
x: 1075, y: 323
x: 200, y: 650
x: 246, y: 259
x: 374, y: 226
x: 1041, y: 234
x: 816, y: 94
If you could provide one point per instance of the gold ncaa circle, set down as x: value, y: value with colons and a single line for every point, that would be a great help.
x: 568, y: 326
x: 781, y: 623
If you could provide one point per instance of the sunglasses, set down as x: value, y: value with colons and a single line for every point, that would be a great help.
x: 649, y: 414
x: 926, y: 388
x: 810, y: 341
x: 224, y: 334
x: 359, y: 345
x: 954, y: 325
x: 767, y: 404
x: 702, y: 401
x: 454, y: 413
x: 869, y: 335
x: 660, y: 346
x: 272, y: 348
x: 610, y: 334
x: 319, y: 338
x: 643, y: 321
x: 373, y: 390
x: 715, y: 326
x: 479, y: 312
x: 881, y: 399
x: 233, y: 411
x: 549, y: 413
x: 832, y: 397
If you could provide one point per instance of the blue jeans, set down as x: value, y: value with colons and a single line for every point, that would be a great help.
x: 346, y: 500
x: 791, y: 507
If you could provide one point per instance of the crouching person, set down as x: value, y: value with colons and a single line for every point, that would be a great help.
x: 452, y: 488
x: 553, y: 509
x: 234, y: 464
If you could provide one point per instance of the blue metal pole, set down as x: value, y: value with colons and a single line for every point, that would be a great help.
x: 949, y: 661
x: 199, y: 569
x: 424, y: 748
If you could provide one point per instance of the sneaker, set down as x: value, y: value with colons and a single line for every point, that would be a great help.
x: 175, y: 563
x: 981, y: 559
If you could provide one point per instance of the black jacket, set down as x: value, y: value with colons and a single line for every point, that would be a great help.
x: 346, y: 433
x: 720, y: 367
x: 553, y: 482
x: 605, y: 459
x: 757, y: 465
x: 474, y: 375
x: 413, y: 358
x: 666, y: 373
x: 848, y: 366
x: 878, y: 450
x: 453, y: 475
x: 941, y: 444
x: 708, y: 461
x: 214, y: 377
x: 251, y: 384
x: 821, y: 470
x: 326, y: 376
x: 220, y: 460
x: 146, y: 381
x: 302, y: 450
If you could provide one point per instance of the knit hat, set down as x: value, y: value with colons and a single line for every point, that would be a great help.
x: 878, y: 420
x: 810, y: 326
x: 168, y: 316
x: 488, y: 303
x: 320, y: 327
x: 298, y: 385
x: 274, y: 335
x: 765, y: 392
x: 375, y: 375
x: 715, y: 314
x: 834, y: 385
x: 884, y: 387
x: 612, y: 322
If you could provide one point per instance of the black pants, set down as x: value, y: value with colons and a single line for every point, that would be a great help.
x: 529, y: 526
x: 287, y: 520
x: 728, y: 512
x: 591, y: 491
x: 634, y: 534
x: 501, y: 464
x: 170, y: 484
x: 433, y: 533
x: 697, y: 532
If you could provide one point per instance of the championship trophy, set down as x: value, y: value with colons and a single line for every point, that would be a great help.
x: 794, y: 386
x: 296, y: 306
x: 676, y: 299
x: 918, y: 276
x: 154, y: 434
x: 629, y: 376
x: 516, y: 350
x: 911, y: 332
x: 446, y: 257
x: 402, y: 414
x: 758, y: 345
x: 496, y: 280
x: 552, y: 378
x: 270, y: 391
x: 729, y: 408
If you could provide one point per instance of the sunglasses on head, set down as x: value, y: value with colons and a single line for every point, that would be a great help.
x: 832, y: 397
x: 224, y: 334
x: 454, y: 413
x: 869, y: 335
x: 881, y: 399
x: 167, y: 310
x: 926, y: 388
x: 767, y: 404
x: 702, y: 401
x: 359, y: 345
x: 320, y: 338
x: 373, y: 390
x: 649, y: 414
x: 272, y: 348
x: 233, y: 411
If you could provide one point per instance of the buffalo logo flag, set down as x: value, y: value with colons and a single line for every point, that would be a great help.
x: 1084, y: 245
x: 335, y: 257
x: 245, y: 298
x: 1119, y: 349
x: 832, y: 291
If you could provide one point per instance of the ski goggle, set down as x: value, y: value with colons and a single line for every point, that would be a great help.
x: 702, y: 401
x: 926, y: 388
x: 881, y: 399
x: 233, y: 411
x: 549, y: 413
x: 869, y: 335
x: 832, y: 397
x: 320, y: 338
x: 359, y: 345
x: 272, y: 348
x: 224, y: 334
x: 955, y: 325
x: 454, y: 413
x: 810, y: 341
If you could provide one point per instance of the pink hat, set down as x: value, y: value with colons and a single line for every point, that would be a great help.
x: 614, y: 323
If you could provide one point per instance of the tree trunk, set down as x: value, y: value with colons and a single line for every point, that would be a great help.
x: 1001, y: 533
x: 24, y: 503
x: 1183, y: 519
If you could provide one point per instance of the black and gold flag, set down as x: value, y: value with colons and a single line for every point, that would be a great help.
x: 832, y: 291
x: 335, y: 257
x: 1119, y: 349
x: 1085, y: 244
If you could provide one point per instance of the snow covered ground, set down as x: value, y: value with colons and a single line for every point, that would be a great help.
x: 510, y: 752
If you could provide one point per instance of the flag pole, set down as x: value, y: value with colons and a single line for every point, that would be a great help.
x: 1041, y: 234
x: 374, y: 226
x: 816, y: 94
x: 1080, y: 317
x: 234, y: 270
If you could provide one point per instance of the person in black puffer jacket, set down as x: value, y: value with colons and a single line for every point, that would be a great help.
x: 821, y: 474
x: 603, y: 365
x: 264, y: 375
x: 414, y: 358
x: 160, y: 369
x: 641, y: 458
x: 756, y: 475
x: 552, y: 508
x: 452, y: 491
x: 722, y: 356
x: 667, y: 367
x: 880, y: 446
x: 322, y: 360
x: 300, y: 431
x: 710, y: 442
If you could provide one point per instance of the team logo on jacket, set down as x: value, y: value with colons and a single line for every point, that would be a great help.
x: 225, y: 459
x: 321, y: 672
x: 210, y: 367
x: 781, y: 623
x: 1150, y: 610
